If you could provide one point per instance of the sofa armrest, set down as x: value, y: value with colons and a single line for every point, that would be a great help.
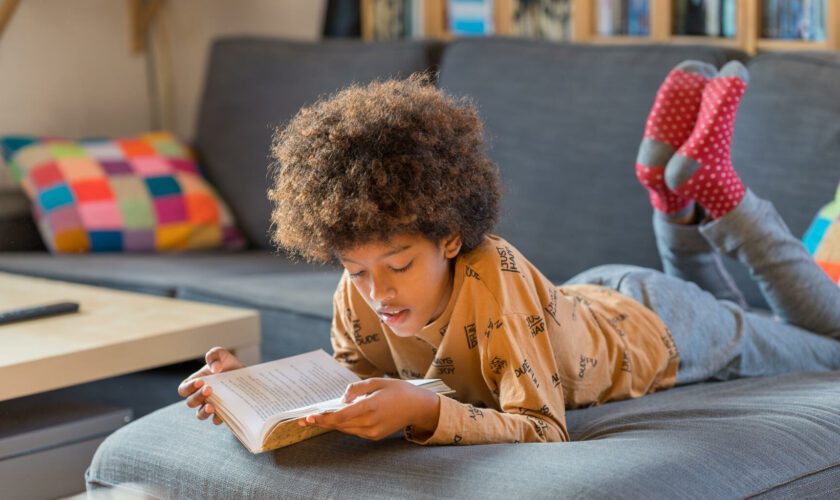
x: 18, y: 231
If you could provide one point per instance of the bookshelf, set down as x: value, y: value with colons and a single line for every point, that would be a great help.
x: 584, y: 26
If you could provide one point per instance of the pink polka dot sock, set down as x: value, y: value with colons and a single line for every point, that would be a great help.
x: 702, y: 168
x: 668, y: 126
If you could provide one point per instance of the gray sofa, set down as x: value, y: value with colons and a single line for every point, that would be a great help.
x: 563, y: 123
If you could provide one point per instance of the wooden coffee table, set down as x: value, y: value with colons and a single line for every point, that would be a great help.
x: 114, y: 333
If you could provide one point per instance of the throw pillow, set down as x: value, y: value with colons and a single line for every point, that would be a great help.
x: 135, y: 194
x: 823, y: 238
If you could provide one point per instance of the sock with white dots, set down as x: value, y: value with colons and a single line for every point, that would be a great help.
x: 669, y: 124
x: 702, y: 168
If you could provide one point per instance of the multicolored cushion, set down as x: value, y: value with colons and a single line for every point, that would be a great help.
x: 137, y: 194
x: 823, y: 238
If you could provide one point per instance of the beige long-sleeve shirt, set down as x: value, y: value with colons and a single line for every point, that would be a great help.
x: 517, y: 349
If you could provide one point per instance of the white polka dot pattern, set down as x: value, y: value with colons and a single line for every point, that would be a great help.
x: 671, y: 121
x: 715, y: 185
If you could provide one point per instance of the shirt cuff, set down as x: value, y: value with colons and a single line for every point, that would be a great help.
x: 445, y: 432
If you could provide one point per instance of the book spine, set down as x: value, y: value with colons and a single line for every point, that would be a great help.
x: 729, y: 19
x: 616, y: 17
x: 680, y: 16
x: 819, y: 19
x: 695, y: 23
x: 605, y: 17
x: 712, y: 17
x: 419, y: 18
x: 769, y: 18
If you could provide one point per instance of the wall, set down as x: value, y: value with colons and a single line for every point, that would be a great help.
x: 67, y: 66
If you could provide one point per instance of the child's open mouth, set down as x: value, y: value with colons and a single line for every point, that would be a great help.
x: 395, y: 318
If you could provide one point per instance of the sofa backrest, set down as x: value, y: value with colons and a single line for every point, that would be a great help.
x: 254, y: 85
x: 564, y: 123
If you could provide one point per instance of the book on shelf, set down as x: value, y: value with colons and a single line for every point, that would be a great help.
x: 794, y: 19
x: 262, y: 403
x: 470, y: 17
x: 716, y: 18
x: 623, y: 17
x: 546, y: 19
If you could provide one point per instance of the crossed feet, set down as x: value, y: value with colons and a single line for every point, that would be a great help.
x: 684, y: 160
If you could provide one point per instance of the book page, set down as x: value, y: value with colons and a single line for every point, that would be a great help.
x: 256, y: 393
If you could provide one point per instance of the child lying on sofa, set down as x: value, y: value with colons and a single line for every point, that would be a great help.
x: 391, y: 180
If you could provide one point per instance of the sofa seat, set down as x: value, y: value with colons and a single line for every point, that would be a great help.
x: 152, y: 273
x: 764, y: 437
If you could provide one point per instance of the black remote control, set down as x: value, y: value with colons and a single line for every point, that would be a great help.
x: 38, y: 312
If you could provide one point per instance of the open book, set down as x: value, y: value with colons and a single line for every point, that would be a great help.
x: 262, y: 403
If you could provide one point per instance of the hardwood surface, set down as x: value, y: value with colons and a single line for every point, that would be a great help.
x: 114, y: 333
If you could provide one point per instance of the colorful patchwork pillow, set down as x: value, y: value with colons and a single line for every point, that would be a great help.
x: 823, y: 238
x: 138, y: 194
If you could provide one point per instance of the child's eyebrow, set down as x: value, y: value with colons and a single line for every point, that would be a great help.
x: 386, y: 254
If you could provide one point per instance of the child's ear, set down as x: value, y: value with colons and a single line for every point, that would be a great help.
x: 451, y: 245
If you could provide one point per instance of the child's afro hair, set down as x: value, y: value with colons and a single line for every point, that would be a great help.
x: 373, y: 161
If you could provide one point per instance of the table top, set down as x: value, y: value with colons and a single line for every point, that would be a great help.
x: 114, y: 333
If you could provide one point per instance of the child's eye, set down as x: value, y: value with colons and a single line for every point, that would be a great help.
x: 355, y: 275
x: 404, y: 268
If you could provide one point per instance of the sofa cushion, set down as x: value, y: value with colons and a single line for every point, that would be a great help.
x: 763, y: 436
x: 254, y: 85
x: 564, y: 123
x: 135, y: 194
x: 155, y: 274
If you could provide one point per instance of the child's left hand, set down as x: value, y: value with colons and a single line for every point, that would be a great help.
x: 389, y: 406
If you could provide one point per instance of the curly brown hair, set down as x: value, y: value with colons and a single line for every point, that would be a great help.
x: 369, y: 162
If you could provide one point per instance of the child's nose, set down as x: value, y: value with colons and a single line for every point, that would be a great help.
x: 381, y: 291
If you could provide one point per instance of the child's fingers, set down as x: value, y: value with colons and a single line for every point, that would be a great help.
x: 217, y: 420
x: 199, y: 397
x: 215, y: 354
x: 189, y: 386
x: 201, y: 413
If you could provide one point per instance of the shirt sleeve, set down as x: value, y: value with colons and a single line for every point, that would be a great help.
x: 345, y: 350
x: 518, y: 364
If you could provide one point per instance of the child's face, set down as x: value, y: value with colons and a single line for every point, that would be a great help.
x: 407, y: 281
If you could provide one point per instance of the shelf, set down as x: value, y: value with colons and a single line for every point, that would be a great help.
x: 584, y: 23
x: 770, y: 44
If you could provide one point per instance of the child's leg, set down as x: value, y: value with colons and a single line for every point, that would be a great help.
x: 717, y: 339
x: 686, y: 254
x: 671, y: 121
x: 795, y: 287
x: 744, y: 226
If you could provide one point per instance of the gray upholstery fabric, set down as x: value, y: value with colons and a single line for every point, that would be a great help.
x: 157, y: 274
x: 255, y: 85
x: 295, y: 308
x: 787, y: 139
x: 761, y: 436
x: 564, y: 123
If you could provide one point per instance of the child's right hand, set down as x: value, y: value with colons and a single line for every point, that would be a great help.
x: 217, y: 360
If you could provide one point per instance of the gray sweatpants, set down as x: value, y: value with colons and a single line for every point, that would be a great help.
x: 717, y: 336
